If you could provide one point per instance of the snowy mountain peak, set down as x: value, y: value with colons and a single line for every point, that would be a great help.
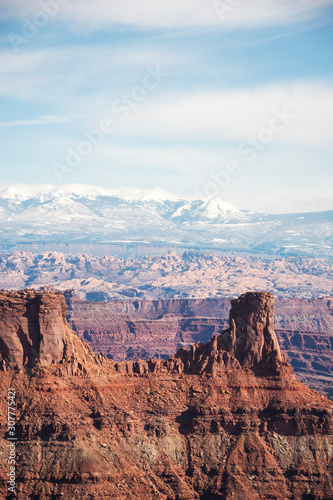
x: 76, y: 203
x: 213, y: 211
x: 157, y: 194
x: 22, y: 192
x: 85, y: 214
x: 218, y: 208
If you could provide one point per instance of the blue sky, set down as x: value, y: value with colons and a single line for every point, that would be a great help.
x: 230, y: 98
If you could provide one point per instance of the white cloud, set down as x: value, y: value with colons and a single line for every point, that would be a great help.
x: 58, y: 77
x: 149, y: 14
x: 61, y: 74
x: 234, y: 115
x: 40, y: 120
x: 28, y: 75
x: 82, y: 60
x: 288, y: 202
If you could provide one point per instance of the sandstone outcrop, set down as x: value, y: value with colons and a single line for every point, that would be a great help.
x: 250, y: 341
x: 204, y: 424
x: 145, y: 329
x: 34, y: 330
x: 251, y: 337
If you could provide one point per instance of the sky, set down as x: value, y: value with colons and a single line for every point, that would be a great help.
x: 230, y: 99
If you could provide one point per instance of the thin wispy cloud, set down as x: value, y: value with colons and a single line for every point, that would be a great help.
x: 40, y: 120
x: 45, y: 75
x: 147, y: 14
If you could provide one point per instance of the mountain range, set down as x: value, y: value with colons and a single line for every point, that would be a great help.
x: 82, y: 214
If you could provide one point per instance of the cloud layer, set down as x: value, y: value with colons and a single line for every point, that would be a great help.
x: 238, y: 71
x: 149, y: 14
x: 233, y: 115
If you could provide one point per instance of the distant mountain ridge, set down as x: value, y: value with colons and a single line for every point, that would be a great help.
x: 28, y: 191
x: 214, y: 211
x: 88, y: 214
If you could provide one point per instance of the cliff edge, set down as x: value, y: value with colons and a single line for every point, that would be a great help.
x: 34, y: 331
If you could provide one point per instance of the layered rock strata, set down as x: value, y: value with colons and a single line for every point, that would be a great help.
x: 145, y: 329
x: 225, y: 420
x: 34, y: 331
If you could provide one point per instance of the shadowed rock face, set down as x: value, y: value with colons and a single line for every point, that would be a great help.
x: 251, y: 337
x: 226, y: 420
x: 133, y: 329
x: 249, y: 342
x: 34, y: 330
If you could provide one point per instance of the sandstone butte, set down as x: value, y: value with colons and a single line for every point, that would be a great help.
x: 144, y: 329
x: 224, y: 420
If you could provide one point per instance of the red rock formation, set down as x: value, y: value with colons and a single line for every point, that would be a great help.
x: 204, y: 424
x: 128, y: 330
x: 251, y: 337
x: 34, y: 330
x: 249, y: 342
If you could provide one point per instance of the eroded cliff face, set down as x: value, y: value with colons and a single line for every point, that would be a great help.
x: 225, y: 420
x: 145, y: 329
x: 251, y: 337
x: 34, y: 330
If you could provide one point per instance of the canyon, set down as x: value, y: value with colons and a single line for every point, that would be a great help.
x: 169, y: 275
x: 223, y: 419
x: 109, y: 285
x: 133, y: 329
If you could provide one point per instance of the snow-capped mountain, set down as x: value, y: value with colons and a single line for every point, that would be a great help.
x: 21, y: 192
x: 77, y: 214
x: 74, y: 202
x: 214, y: 211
